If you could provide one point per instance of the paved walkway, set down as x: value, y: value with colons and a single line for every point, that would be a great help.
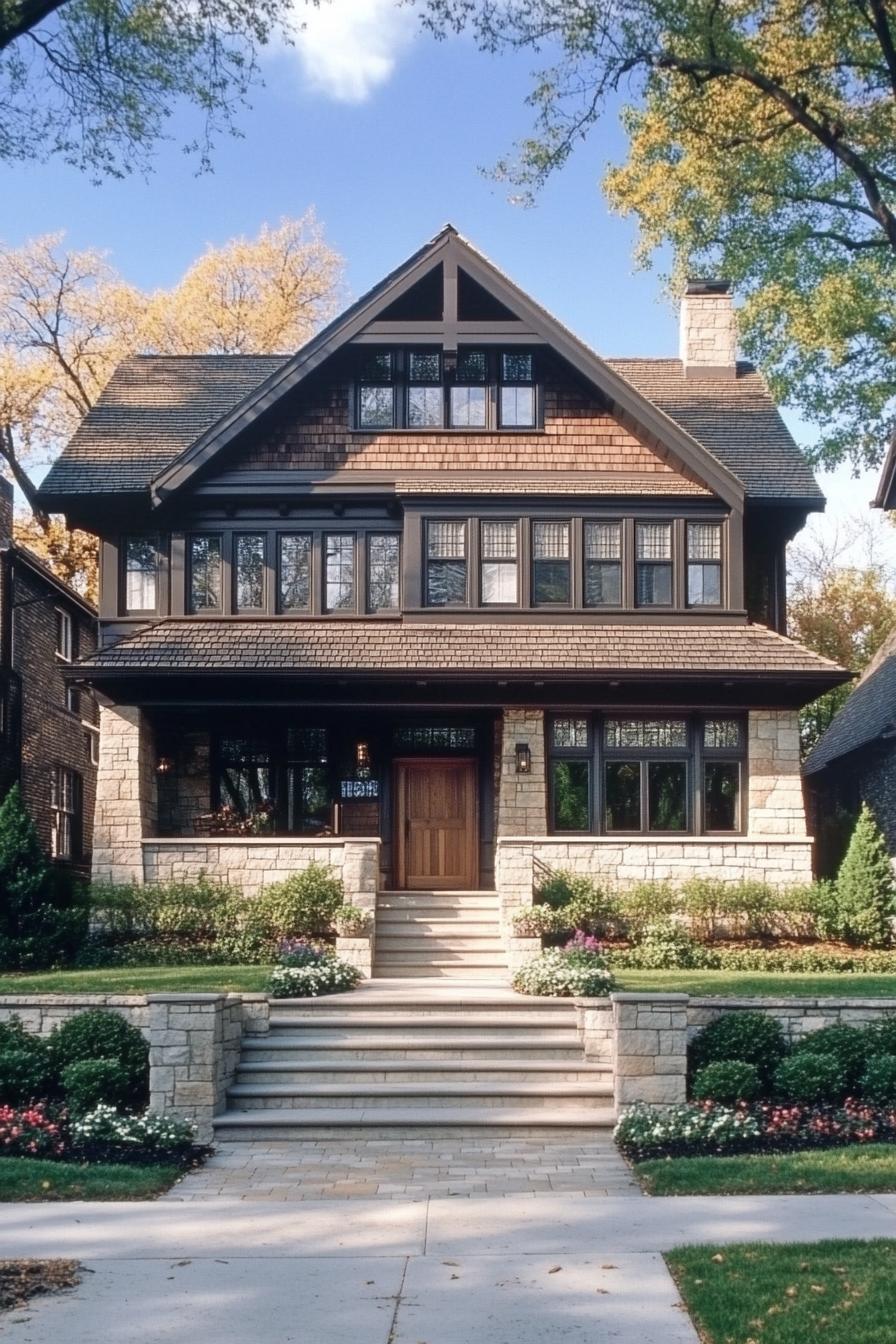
x: 517, y: 1270
x: 410, y: 1168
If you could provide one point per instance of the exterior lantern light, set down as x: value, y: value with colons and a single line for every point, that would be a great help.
x: 523, y: 758
x: 164, y: 765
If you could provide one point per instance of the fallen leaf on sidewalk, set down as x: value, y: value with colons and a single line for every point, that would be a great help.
x: 555, y: 1269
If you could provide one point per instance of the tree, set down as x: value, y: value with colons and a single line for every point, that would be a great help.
x: 95, y: 81
x: 42, y: 915
x: 762, y: 147
x: 67, y: 319
x: 866, y: 893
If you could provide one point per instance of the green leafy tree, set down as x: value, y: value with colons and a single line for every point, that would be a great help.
x: 761, y: 145
x: 866, y: 893
x: 40, y: 922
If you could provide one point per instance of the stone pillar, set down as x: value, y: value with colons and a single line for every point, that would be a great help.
x: 775, y: 793
x: 194, y: 1044
x: 651, y: 1032
x: 594, y: 1019
x: 125, y: 794
x: 360, y: 874
x: 521, y: 810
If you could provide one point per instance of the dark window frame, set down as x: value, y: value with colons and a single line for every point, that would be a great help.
x: 369, y: 535
x: 280, y: 535
x: 238, y: 536
x: 721, y: 564
x: 124, y: 570
x: 428, y: 560
x: 672, y: 564
x: 64, y: 635
x: 536, y: 521
x: 220, y: 537
x: 400, y: 384
x: 351, y: 609
x: 66, y: 820
x: 516, y: 562
x: 583, y: 754
x: 623, y: 562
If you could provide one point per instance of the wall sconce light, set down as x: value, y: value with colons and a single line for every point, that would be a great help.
x: 362, y: 759
x: 164, y: 765
x: 523, y: 759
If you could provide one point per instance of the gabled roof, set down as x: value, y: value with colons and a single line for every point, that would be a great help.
x: 39, y: 567
x: 868, y: 716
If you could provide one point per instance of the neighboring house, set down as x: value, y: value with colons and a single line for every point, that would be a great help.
x: 49, y: 735
x: 444, y: 598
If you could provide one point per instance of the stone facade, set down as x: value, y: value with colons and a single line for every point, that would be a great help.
x: 651, y: 1032
x: 775, y: 795
x: 125, y: 794
x: 797, y: 1016
x: 708, y: 333
x: 251, y: 863
x: 522, y: 799
x: 40, y: 1013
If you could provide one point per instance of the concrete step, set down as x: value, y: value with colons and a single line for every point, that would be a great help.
x: 442, y: 901
x: 361, y: 1045
x: 404, y: 1005
x: 435, y: 946
x: 493, y: 959
x: 428, y: 1095
x: 410, y: 1121
x: 421, y: 1071
x: 486, y: 1018
x: 449, y: 971
x: 437, y: 917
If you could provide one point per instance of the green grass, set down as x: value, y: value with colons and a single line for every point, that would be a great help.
x: 30, y: 1179
x: 137, y: 979
x: 736, y: 984
x: 840, y: 1292
x: 830, y: 1171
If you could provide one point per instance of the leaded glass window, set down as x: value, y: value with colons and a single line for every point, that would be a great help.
x: 569, y: 733
x: 205, y: 573
x: 603, y: 564
x: 550, y: 563
x: 719, y: 734
x: 382, y: 571
x: 434, y: 737
x: 141, y: 574
x: 425, y: 395
x: 517, y: 390
x: 469, y: 393
x: 446, y: 564
x: 249, y: 571
x: 645, y: 733
x: 339, y: 568
x: 704, y: 564
x: 498, y: 550
x: 294, y: 578
x: 376, y: 393
x: 653, y: 564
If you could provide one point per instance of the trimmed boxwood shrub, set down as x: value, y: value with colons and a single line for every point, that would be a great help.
x: 728, y: 1082
x: 93, y: 1082
x: 753, y: 1037
x: 878, y: 1082
x: 808, y: 1077
x: 304, y: 904
x: 848, y: 1045
x: 100, y: 1034
x: 666, y: 946
x: 24, y: 1077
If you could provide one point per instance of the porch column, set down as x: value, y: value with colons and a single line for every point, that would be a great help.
x: 775, y: 794
x: 126, y: 808
x: 521, y: 812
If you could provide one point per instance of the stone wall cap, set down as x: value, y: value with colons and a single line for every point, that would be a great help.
x: 186, y: 998
x: 788, y: 1001
x: 650, y: 998
x: 592, y: 1001
x: 272, y: 841
x: 61, y: 1000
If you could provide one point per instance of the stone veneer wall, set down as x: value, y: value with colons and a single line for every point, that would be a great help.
x: 775, y: 791
x: 125, y: 794
x: 251, y: 864
x: 40, y: 1013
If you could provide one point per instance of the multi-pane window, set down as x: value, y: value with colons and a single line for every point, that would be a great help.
x: 140, y: 574
x: 64, y: 639
x: 73, y: 700
x: 645, y: 794
x: 550, y: 564
x: 339, y: 570
x: 382, y: 571
x: 516, y: 403
x: 376, y: 390
x: 603, y: 564
x: 248, y: 568
x: 276, y: 780
x: 294, y: 571
x: 498, y: 558
x: 446, y: 564
x: 244, y: 779
x: 65, y: 813
x: 722, y: 767
x: 425, y: 396
x: 309, y: 787
x: 469, y: 391
x: 704, y: 565
x: 653, y: 564
x: 569, y: 777
x: 205, y: 573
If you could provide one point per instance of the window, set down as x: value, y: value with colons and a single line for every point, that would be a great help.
x: 498, y: 551
x: 140, y: 574
x: 646, y: 794
x: 340, y: 572
x: 376, y: 393
x: 382, y: 571
x: 294, y: 572
x: 653, y: 554
x: 570, y: 774
x: 205, y: 573
x: 244, y: 774
x: 73, y: 699
x: 603, y: 564
x: 704, y: 564
x: 550, y: 564
x: 309, y: 790
x: 249, y: 572
x: 434, y: 737
x: 516, y: 402
x: 446, y: 564
x: 723, y: 750
x: 425, y: 395
x: 469, y: 392
x: 64, y: 641
x: 65, y: 813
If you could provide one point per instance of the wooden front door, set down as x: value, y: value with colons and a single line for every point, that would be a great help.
x: 437, y: 825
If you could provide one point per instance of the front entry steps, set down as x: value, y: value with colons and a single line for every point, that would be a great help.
x: 394, y: 1063
x: 439, y: 933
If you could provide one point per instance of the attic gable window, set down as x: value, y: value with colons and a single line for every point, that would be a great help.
x: 517, y: 390
x: 376, y: 392
x: 469, y: 392
x: 418, y: 388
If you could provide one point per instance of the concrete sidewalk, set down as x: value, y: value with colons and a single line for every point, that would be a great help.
x: 517, y: 1270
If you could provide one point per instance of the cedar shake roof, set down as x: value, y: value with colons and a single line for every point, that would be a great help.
x: 868, y: 715
x: 405, y: 648
x: 734, y: 418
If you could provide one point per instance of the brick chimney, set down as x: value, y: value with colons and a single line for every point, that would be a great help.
x: 6, y: 511
x: 708, y: 330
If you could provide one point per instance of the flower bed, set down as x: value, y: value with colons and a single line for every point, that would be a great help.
x: 308, y: 970
x: 576, y: 970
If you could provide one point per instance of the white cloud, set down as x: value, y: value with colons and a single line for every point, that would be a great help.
x: 347, y: 48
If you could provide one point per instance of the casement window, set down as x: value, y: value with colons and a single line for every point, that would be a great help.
x: 64, y: 636
x: 244, y: 777
x: 141, y: 574
x: 653, y: 564
x: 280, y: 780
x: 446, y: 564
x: 469, y: 391
x: 205, y: 572
x: 516, y: 394
x: 294, y: 571
x: 376, y: 390
x: 646, y: 775
x: 425, y: 395
x: 65, y: 813
x: 383, y: 571
x: 249, y: 571
x: 498, y: 560
x: 550, y: 564
x: 603, y: 564
x: 704, y: 545
x: 339, y: 571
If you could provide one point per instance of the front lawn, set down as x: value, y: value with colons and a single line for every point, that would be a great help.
x: 840, y: 1292
x: 138, y: 980
x: 828, y: 1171
x: 750, y: 984
x: 28, y: 1179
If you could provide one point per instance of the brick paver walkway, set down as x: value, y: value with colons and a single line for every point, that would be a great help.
x: 409, y: 1168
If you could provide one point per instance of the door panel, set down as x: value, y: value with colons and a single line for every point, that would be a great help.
x: 437, y: 838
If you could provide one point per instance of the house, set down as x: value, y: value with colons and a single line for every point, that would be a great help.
x: 49, y: 728
x: 444, y: 599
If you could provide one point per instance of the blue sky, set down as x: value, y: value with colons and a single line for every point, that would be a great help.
x: 383, y: 130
